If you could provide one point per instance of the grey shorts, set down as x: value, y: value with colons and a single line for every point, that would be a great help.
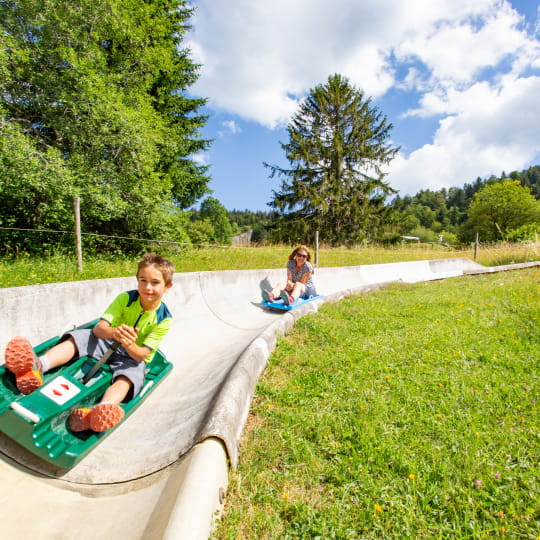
x: 120, y: 362
x: 309, y: 293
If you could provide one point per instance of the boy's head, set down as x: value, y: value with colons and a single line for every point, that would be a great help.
x: 165, y: 266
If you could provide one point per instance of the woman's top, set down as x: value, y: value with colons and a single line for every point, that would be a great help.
x: 306, y: 268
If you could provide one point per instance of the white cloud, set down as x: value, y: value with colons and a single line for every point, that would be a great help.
x: 230, y: 127
x: 488, y: 130
x: 259, y: 58
x: 470, y: 64
x: 456, y: 50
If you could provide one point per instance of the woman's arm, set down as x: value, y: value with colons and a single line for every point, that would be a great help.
x: 289, y: 279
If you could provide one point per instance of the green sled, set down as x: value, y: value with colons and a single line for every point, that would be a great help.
x: 38, y: 421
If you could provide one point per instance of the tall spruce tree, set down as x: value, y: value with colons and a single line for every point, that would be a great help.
x: 103, y: 83
x: 336, y: 150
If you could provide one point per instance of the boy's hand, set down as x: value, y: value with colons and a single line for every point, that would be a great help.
x: 125, y: 335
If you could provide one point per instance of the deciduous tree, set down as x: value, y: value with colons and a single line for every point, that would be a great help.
x: 216, y: 214
x: 104, y: 84
x: 498, y: 208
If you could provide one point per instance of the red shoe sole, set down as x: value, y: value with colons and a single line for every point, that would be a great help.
x: 78, y: 420
x: 105, y: 416
x: 20, y: 356
x: 29, y: 381
x: 99, y: 418
x: 20, y: 360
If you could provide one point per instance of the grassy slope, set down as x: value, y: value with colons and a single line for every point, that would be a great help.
x: 410, y: 412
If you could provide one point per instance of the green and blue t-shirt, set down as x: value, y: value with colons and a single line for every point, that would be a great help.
x: 153, y: 325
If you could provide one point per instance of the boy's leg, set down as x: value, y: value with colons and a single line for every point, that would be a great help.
x: 28, y: 368
x: 61, y: 353
x: 106, y: 414
x: 118, y: 390
x: 24, y: 364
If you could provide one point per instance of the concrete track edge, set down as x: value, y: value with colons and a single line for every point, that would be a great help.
x: 201, y: 493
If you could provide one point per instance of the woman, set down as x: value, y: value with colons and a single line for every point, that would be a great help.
x: 299, y: 279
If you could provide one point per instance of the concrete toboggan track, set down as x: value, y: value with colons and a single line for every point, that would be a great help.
x: 163, y: 473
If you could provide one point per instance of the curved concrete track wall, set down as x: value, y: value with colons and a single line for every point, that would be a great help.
x: 163, y: 472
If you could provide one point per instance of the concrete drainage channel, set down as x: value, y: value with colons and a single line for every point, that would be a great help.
x: 163, y: 473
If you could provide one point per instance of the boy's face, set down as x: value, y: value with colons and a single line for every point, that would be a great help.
x: 151, y: 287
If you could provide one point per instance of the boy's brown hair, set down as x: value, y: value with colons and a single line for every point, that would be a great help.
x: 165, y: 266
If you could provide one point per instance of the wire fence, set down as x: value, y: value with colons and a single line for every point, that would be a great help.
x: 158, y: 241
x: 484, y: 247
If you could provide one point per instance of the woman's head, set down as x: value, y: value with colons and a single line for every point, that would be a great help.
x: 299, y: 252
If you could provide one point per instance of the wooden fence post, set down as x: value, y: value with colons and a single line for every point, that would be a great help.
x: 78, y: 244
x: 316, y: 249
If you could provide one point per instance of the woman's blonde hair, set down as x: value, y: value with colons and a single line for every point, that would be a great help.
x: 297, y: 249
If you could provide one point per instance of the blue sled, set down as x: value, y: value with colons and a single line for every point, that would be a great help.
x: 282, y: 306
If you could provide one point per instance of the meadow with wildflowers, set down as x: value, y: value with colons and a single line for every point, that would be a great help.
x: 406, y: 413
x: 22, y: 269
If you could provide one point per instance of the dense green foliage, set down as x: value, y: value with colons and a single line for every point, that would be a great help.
x: 94, y: 105
x: 529, y: 178
x: 390, y: 416
x: 499, y: 208
x: 446, y: 212
x: 437, y: 216
x: 260, y: 223
x: 210, y: 224
x: 337, y: 146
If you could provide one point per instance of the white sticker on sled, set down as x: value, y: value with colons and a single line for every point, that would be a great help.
x: 60, y: 390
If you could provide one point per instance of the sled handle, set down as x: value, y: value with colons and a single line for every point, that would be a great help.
x: 108, y: 353
x: 24, y: 412
x: 112, y: 349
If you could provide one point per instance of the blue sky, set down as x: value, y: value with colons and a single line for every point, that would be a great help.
x: 459, y: 80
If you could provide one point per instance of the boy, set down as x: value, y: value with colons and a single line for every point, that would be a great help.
x: 137, y: 320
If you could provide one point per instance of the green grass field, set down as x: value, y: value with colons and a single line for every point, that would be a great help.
x: 411, y: 412
x: 26, y: 270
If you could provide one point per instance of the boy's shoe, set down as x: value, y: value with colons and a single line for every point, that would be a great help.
x: 287, y: 298
x: 79, y: 420
x: 100, y: 417
x: 24, y: 364
x: 268, y: 296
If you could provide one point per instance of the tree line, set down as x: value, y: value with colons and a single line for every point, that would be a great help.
x: 454, y: 213
x: 95, y: 104
x: 446, y: 215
